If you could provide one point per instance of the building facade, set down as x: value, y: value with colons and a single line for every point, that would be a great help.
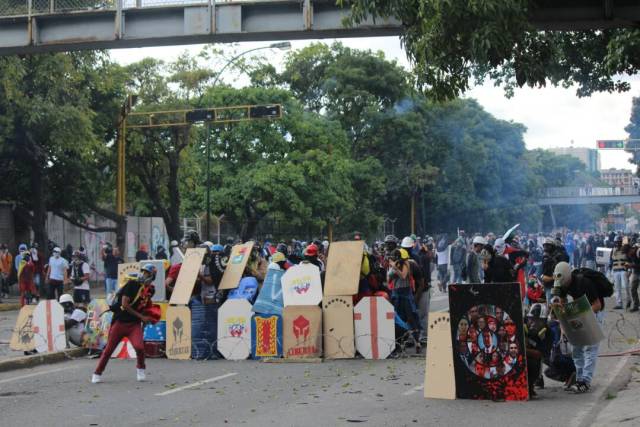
x: 589, y: 157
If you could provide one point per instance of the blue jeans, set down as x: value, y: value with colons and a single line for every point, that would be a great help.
x: 110, y: 286
x: 586, y: 356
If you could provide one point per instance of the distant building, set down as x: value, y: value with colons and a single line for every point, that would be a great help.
x: 619, y: 178
x: 588, y: 156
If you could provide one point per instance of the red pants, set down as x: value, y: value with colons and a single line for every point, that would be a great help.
x: 117, y: 331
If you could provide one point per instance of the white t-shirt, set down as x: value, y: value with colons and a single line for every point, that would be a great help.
x: 57, y: 267
x: 85, y: 270
x: 443, y: 257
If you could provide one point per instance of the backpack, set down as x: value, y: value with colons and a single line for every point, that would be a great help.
x: 603, y: 285
x: 116, y: 304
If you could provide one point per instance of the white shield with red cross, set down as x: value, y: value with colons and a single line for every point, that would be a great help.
x: 374, y: 327
x: 48, y: 327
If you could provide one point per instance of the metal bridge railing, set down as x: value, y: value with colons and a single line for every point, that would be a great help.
x: 589, y: 192
x: 16, y: 8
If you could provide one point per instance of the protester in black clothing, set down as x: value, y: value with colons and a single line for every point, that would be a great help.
x: 497, y: 269
x: 634, y: 260
x: 161, y: 253
x: 111, y: 261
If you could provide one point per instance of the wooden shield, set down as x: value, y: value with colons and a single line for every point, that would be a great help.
x: 22, y: 335
x: 302, y: 325
x: 374, y: 327
x: 338, y: 327
x: 343, y: 268
x: 96, y: 328
x: 48, y: 327
x: 124, y: 270
x: 178, y: 332
x: 439, y: 378
x: 187, y: 276
x: 266, y: 336
x: 301, y: 285
x: 234, y: 329
x: 236, y: 265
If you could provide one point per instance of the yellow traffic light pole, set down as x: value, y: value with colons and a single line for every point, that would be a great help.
x: 178, y: 118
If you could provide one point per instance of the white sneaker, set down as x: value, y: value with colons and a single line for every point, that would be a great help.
x: 140, y: 374
x: 95, y: 379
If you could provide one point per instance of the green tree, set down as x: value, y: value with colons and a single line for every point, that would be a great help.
x: 452, y: 43
x: 295, y: 170
x: 54, y: 125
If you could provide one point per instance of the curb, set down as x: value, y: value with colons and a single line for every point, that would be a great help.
x: 9, y: 306
x: 617, y: 383
x: 41, y: 359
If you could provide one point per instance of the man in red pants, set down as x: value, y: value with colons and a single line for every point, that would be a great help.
x: 127, y: 320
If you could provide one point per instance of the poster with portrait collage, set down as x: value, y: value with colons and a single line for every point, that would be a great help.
x: 488, y: 341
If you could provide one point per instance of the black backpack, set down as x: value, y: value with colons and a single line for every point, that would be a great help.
x: 116, y: 305
x: 603, y: 285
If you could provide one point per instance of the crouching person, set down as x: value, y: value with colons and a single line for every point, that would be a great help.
x: 129, y: 314
x: 74, y: 319
x: 576, y: 284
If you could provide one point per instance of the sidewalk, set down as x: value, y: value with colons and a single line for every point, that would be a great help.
x: 623, y: 408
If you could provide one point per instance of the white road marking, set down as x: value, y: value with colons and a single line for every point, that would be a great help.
x: 580, y: 417
x: 35, y: 374
x: 413, y: 390
x: 196, y: 384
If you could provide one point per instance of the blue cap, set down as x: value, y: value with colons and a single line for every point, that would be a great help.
x: 22, y: 247
x: 217, y: 248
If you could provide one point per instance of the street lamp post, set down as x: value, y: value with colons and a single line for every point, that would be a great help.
x: 281, y: 46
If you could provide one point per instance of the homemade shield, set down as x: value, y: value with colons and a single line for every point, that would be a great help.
x: 301, y: 285
x: 178, y: 332
x: 187, y: 276
x: 124, y: 270
x: 234, y: 329
x: 579, y: 323
x: 343, y: 268
x: 235, y: 267
x: 158, y: 283
x: 487, y: 334
x: 22, y: 335
x: 374, y: 327
x: 48, y: 327
x: 439, y: 378
x: 302, y: 325
x: 266, y: 336
x: 338, y: 327
x: 96, y: 329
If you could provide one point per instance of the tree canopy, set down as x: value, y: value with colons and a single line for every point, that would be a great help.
x: 452, y: 43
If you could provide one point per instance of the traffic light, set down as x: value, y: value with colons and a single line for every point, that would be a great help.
x: 265, y: 112
x: 610, y: 144
x: 194, y: 116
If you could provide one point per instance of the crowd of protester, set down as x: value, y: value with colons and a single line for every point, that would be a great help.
x: 548, y: 268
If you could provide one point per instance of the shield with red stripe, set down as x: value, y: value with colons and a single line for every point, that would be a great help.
x: 374, y: 327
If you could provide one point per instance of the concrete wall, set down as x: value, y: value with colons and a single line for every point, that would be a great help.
x: 150, y: 231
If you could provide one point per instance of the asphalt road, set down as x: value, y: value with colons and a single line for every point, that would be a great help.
x: 212, y: 393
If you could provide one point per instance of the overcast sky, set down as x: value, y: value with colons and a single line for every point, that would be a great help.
x: 554, y: 117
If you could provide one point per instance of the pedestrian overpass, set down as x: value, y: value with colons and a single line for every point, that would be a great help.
x: 29, y: 26
x: 566, y: 196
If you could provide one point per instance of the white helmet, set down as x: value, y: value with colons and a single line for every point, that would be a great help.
x: 479, y: 240
x: 500, y: 246
x: 65, y: 298
x: 407, y: 243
